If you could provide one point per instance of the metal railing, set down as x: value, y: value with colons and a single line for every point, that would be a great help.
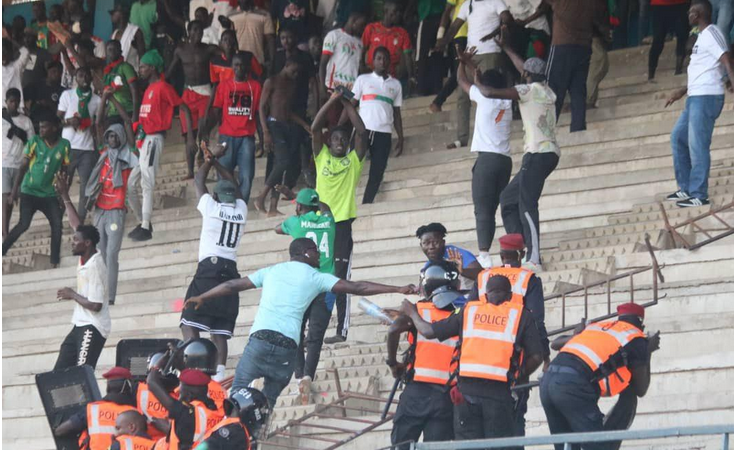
x: 578, y: 438
x: 712, y: 233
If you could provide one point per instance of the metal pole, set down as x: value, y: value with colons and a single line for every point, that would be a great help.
x: 567, y: 446
x: 725, y: 442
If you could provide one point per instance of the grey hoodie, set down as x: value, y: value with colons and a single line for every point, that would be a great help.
x: 121, y: 158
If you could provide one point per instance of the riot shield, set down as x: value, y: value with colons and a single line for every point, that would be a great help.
x: 133, y: 354
x: 64, y: 393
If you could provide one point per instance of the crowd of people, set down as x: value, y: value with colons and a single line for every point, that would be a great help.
x: 317, y: 101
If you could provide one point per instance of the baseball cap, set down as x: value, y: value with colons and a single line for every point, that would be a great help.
x: 535, y: 66
x: 308, y: 197
x: 226, y: 191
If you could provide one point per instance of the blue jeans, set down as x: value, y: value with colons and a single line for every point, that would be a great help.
x: 691, y: 143
x: 724, y: 16
x: 262, y: 359
x: 240, y: 153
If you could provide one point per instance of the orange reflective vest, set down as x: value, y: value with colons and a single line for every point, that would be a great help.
x: 488, y: 339
x: 226, y: 422
x: 161, y: 444
x: 597, y: 344
x: 205, y: 419
x: 101, y: 417
x: 151, y: 408
x: 518, y: 276
x: 215, y: 392
x: 431, y: 358
x: 128, y: 442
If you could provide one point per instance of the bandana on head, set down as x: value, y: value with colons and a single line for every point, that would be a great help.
x: 153, y: 58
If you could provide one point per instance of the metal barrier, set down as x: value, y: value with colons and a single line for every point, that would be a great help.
x: 711, y: 232
x: 578, y: 438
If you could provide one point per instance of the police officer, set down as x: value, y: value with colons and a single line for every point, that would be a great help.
x: 527, y: 289
x: 130, y: 432
x: 97, y: 422
x: 603, y: 359
x: 492, y: 335
x: 201, y: 354
x: 425, y: 405
x: 149, y: 405
x: 247, y: 411
x: 193, y: 413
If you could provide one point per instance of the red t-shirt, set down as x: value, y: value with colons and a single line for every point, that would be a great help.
x: 239, y: 100
x: 396, y: 40
x: 156, y: 108
x: 111, y: 197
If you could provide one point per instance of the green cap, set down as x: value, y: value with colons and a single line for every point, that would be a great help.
x: 226, y: 191
x: 308, y: 197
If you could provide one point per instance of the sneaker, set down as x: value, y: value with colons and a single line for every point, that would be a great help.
x: 678, y: 196
x: 304, y: 390
x: 142, y: 235
x: 485, y: 260
x: 692, y: 202
x: 535, y: 268
x: 135, y: 231
x: 337, y: 338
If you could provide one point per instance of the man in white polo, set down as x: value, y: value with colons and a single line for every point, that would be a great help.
x: 380, y: 97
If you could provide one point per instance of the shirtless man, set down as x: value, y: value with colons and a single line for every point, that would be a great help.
x: 130, y: 36
x: 279, y: 122
x: 194, y: 57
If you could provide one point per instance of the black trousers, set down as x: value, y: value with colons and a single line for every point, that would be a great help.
x: 622, y: 414
x: 451, y: 82
x: 520, y: 198
x: 82, y: 345
x: 423, y: 409
x: 490, y: 175
x: 568, y: 68
x: 380, y: 146
x: 286, y: 167
x: 570, y: 404
x: 483, y: 417
x: 431, y: 65
x: 82, y: 161
x: 317, y: 315
x: 343, y: 245
x: 667, y: 19
x: 50, y: 208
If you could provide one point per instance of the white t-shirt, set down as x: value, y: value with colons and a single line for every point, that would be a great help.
x: 345, y: 51
x: 69, y: 103
x: 13, y: 148
x: 705, y: 72
x: 377, y: 97
x: 91, y: 280
x: 12, y: 75
x: 222, y: 226
x: 484, y: 19
x: 522, y: 9
x: 538, y: 111
x: 492, y: 124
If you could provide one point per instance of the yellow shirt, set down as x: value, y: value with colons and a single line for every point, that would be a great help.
x: 457, y: 6
x: 336, y: 182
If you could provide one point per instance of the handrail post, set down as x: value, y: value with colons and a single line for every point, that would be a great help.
x: 632, y: 287
x: 563, y: 310
x: 725, y: 442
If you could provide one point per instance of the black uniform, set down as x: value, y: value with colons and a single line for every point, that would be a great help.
x: 229, y: 437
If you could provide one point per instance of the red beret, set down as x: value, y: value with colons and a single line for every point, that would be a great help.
x: 118, y: 373
x: 194, y: 377
x: 513, y: 241
x: 631, y: 309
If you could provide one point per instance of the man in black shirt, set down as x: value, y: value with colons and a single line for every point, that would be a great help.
x: 571, y: 388
x: 292, y: 14
x: 43, y: 96
x: 35, y: 69
x: 483, y: 403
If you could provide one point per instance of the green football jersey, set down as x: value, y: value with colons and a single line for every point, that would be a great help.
x: 320, y: 228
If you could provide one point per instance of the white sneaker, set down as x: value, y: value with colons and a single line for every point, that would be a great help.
x: 304, y: 390
x: 536, y: 268
x: 485, y: 260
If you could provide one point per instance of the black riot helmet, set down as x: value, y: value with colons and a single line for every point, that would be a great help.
x: 200, y: 354
x: 251, y: 406
x: 440, y: 284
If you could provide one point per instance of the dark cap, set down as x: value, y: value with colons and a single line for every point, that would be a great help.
x: 226, y: 191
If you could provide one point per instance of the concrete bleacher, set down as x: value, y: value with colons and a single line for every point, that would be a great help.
x: 595, y: 210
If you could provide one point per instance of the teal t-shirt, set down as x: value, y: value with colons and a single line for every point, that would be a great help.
x: 287, y: 291
x: 321, y: 229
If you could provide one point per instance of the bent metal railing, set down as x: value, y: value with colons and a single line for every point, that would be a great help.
x: 578, y: 438
x: 713, y: 234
